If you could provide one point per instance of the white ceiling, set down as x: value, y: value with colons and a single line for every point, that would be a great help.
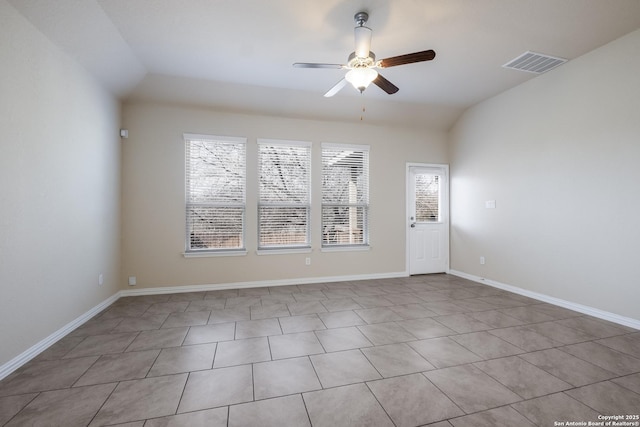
x: 237, y: 54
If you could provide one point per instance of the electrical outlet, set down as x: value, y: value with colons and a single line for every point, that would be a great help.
x: 100, y: 279
x: 132, y: 280
x: 481, y: 260
x: 307, y: 261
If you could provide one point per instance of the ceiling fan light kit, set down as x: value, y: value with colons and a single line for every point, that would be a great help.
x: 362, y: 62
x: 361, y: 78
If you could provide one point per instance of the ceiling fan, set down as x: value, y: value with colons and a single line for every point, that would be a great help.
x: 362, y: 62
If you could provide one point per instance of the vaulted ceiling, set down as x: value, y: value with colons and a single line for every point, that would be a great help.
x: 237, y: 54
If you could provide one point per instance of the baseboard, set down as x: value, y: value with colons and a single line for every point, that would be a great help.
x: 595, y: 312
x: 47, y: 342
x: 258, y: 284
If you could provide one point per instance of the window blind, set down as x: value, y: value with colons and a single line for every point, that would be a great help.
x: 284, y: 169
x: 345, y: 195
x: 427, y: 187
x: 215, y: 192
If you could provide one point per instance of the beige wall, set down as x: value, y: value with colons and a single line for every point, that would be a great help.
x: 59, y: 188
x: 560, y: 155
x: 153, y: 196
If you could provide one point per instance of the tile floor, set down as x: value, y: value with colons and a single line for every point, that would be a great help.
x: 425, y: 350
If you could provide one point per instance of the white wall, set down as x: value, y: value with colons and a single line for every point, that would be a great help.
x: 59, y: 188
x: 154, y: 193
x: 560, y: 154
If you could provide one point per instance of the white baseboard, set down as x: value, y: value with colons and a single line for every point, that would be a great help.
x: 595, y: 312
x: 258, y: 284
x: 47, y: 342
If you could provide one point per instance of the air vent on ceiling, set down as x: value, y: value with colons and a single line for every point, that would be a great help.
x: 533, y: 62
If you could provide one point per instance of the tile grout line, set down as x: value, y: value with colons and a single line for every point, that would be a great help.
x: 184, y: 388
x: 366, y: 384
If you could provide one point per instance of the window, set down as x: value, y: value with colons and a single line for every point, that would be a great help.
x: 427, y: 188
x: 284, y: 168
x: 215, y: 193
x: 345, y: 195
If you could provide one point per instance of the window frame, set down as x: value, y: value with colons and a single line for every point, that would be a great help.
x: 221, y: 251
x: 284, y: 248
x: 366, y: 206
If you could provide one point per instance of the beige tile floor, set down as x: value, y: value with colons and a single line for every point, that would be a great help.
x: 425, y: 350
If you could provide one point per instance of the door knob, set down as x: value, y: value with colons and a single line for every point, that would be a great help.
x: 413, y: 225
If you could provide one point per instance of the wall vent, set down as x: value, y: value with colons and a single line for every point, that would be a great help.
x: 533, y: 62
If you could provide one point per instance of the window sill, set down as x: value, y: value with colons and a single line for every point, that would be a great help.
x: 283, y: 251
x: 210, y: 254
x: 362, y: 248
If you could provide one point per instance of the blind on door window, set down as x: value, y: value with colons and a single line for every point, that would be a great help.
x: 345, y: 195
x: 284, y: 169
x: 215, y: 192
x: 427, y: 187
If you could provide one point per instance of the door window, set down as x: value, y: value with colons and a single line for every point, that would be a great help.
x: 427, y: 197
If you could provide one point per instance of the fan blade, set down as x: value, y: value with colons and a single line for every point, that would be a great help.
x: 336, y: 88
x: 316, y: 65
x: 385, y: 85
x: 363, y: 41
x: 410, y: 58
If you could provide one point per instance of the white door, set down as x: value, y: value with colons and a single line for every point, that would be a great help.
x: 427, y: 218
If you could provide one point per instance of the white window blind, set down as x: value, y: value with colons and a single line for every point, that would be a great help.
x: 284, y: 169
x: 215, y: 192
x: 345, y: 195
x: 427, y: 197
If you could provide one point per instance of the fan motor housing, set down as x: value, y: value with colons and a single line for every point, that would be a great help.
x: 357, y: 62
